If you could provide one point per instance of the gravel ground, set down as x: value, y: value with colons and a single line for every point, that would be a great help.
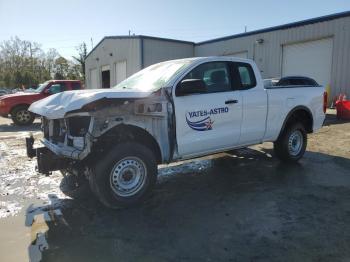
x: 241, y: 206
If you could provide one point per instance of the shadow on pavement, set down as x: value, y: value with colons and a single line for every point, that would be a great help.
x: 10, y: 127
x: 331, y: 119
x: 244, y: 206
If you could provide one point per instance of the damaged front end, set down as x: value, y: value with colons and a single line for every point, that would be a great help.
x: 68, y: 137
x: 65, y: 141
x: 82, y: 136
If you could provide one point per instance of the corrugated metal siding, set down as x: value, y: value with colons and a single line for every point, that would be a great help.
x: 156, y: 51
x: 268, y: 55
x: 121, y: 50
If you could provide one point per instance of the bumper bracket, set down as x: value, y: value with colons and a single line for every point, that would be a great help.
x: 47, y: 161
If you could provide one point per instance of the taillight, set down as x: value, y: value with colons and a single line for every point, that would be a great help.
x: 325, y: 101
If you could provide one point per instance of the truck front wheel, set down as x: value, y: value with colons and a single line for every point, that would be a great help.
x: 124, y: 176
x: 291, y: 144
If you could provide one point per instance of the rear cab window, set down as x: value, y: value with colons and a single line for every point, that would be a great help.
x: 246, y: 75
x: 76, y: 86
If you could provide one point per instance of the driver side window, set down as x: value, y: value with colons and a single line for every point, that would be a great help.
x: 215, y: 76
x: 57, y: 88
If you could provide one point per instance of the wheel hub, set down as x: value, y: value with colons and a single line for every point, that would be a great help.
x: 295, y: 143
x: 128, y: 176
x: 23, y: 116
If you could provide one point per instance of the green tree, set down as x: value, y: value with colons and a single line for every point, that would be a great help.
x: 61, y: 68
x: 74, y: 71
x: 50, y: 58
x: 82, y: 54
x: 24, y: 62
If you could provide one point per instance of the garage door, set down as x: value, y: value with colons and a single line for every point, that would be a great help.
x: 312, y: 59
x: 239, y: 54
x: 93, y: 79
x: 120, y: 71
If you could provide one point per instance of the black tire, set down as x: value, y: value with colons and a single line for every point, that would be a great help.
x: 21, y: 116
x: 74, y: 186
x: 288, y: 140
x: 112, y: 170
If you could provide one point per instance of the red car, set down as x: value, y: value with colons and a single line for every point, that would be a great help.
x: 17, y: 104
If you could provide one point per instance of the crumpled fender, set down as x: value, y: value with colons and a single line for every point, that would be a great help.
x: 56, y: 106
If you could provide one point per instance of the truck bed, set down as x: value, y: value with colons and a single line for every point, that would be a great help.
x: 282, y: 99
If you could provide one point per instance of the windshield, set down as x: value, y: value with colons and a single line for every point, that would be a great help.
x: 40, y: 88
x: 154, y: 76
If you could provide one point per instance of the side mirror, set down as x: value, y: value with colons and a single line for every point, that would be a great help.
x: 191, y: 86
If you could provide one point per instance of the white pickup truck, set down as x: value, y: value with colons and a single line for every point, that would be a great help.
x: 112, y: 140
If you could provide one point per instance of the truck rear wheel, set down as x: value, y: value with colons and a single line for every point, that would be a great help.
x: 291, y: 144
x: 21, y: 116
x: 125, y: 176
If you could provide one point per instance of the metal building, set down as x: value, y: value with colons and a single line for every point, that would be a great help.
x: 318, y: 48
x: 116, y: 57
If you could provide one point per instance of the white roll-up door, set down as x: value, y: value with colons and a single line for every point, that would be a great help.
x: 120, y: 71
x: 312, y: 59
x: 243, y: 54
x: 93, y: 79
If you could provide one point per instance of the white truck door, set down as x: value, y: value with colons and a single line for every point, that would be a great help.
x: 208, y: 119
x: 254, y: 98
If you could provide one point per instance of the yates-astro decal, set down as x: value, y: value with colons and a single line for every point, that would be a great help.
x: 201, y: 121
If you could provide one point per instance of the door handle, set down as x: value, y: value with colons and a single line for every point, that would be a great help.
x: 231, y: 101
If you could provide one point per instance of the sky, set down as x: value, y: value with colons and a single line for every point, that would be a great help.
x: 64, y: 24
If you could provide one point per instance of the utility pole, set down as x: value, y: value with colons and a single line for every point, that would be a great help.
x: 245, y: 29
x: 92, y: 43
